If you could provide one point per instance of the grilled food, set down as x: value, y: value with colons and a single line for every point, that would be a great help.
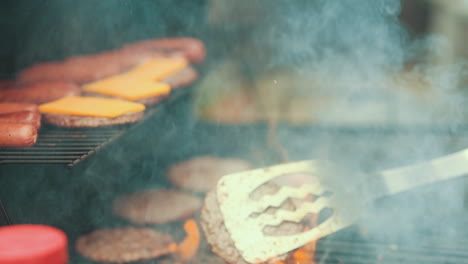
x: 19, y: 124
x: 123, y: 245
x: 190, y: 48
x: 20, y: 113
x: 22, y: 117
x: 17, y: 107
x: 218, y: 236
x: 201, y: 174
x: 181, y: 78
x: 91, y: 112
x: 143, y: 84
x: 89, y: 68
x: 40, y: 92
x: 17, y: 135
x: 156, y: 206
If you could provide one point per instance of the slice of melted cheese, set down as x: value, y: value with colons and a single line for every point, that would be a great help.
x: 159, y: 68
x: 91, y: 106
x: 128, y: 87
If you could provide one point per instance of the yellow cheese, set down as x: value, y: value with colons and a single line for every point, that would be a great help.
x: 128, y: 87
x: 159, y: 68
x: 91, y: 106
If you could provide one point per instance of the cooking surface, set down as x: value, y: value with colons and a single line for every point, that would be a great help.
x: 57, y: 145
x: 79, y: 200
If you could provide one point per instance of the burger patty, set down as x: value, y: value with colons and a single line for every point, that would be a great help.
x: 182, y: 78
x: 75, y: 121
x: 202, y: 173
x: 121, y: 245
x: 156, y: 206
x: 218, y: 236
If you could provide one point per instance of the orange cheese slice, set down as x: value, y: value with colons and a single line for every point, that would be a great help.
x: 159, y: 68
x: 91, y: 106
x: 128, y: 87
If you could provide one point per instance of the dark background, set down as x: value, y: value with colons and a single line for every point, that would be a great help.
x: 35, y: 31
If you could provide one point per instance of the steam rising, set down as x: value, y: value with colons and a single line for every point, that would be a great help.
x: 356, y: 50
x: 360, y: 49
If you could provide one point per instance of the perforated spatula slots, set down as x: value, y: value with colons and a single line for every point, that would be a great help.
x: 245, y: 219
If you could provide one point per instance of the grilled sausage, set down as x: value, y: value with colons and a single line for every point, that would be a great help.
x: 23, y: 117
x: 39, y: 93
x: 193, y: 49
x: 17, y: 135
x: 48, y: 71
x: 6, y: 84
x: 88, y: 68
x: 17, y: 107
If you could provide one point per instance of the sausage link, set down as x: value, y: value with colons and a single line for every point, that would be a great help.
x: 17, y: 107
x: 17, y: 135
x: 6, y: 84
x: 193, y: 49
x: 23, y: 117
x: 41, y: 92
x: 88, y: 68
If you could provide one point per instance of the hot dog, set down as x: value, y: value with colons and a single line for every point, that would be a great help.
x: 6, y: 84
x: 48, y: 71
x: 84, y: 69
x: 23, y: 117
x: 88, y: 68
x: 17, y: 107
x: 17, y: 135
x: 193, y: 49
x: 39, y: 93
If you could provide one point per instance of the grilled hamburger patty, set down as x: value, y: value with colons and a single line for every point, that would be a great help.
x: 219, y: 238
x: 201, y: 174
x: 182, y: 78
x: 122, y: 245
x: 156, y: 206
x: 74, y: 121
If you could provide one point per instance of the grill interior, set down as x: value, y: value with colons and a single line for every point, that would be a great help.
x: 338, y: 250
x: 79, y: 200
x: 57, y: 146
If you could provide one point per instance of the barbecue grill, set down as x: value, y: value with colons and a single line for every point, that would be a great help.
x: 71, y: 176
x: 75, y: 194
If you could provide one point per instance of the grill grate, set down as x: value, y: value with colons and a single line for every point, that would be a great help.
x: 342, y: 251
x: 62, y: 146
x: 71, y: 146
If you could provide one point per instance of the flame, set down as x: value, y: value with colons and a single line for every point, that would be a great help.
x: 188, y: 248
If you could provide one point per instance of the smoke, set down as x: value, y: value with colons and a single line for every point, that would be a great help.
x: 360, y: 50
x: 355, y: 50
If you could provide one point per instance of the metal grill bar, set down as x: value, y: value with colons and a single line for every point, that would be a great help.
x: 71, y: 146
x: 59, y: 146
x: 334, y: 251
x: 5, y: 214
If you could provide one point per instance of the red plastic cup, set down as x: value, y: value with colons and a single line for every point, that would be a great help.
x: 32, y: 244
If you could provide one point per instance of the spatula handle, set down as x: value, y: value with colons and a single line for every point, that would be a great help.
x: 444, y: 168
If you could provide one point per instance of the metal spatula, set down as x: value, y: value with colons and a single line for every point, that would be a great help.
x: 245, y: 219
